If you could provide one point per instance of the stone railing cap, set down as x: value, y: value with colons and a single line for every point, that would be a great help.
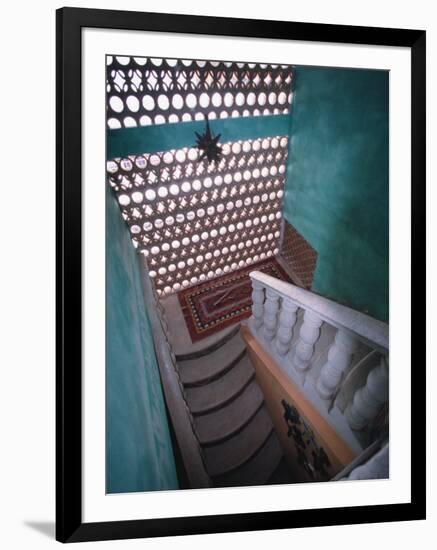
x: 368, y: 329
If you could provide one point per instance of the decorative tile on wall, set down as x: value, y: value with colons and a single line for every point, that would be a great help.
x: 313, y: 450
x: 299, y: 254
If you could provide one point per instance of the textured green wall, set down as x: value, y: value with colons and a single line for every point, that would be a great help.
x: 337, y: 182
x: 138, y: 140
x: 139, y: 455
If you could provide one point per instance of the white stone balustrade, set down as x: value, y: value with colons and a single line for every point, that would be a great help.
x: 368, y: 400
x: 338, y: 363
x: 286, y: 322
x: 343, y: 334
x: 308, y: 335
x: 369, y: 330
x: 377, y: 467
x: 270, y: 318
x: 258, y: 304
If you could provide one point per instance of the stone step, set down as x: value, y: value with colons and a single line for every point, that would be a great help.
x: 256, y: 471
x: 196, y: 372
x: 229, y: 420
x: 282, y: 474
x: 221, y: 340
x: 236, y: 451
x: 209, y: 397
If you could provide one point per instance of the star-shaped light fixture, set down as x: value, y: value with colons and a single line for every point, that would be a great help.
x: 209, y: 145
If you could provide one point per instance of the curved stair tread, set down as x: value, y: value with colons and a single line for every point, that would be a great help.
x: 227, y: 334
x: 202, y: 370
x: 209, y: 397
x: 236, y: 451
x: 258, y: 470
x: 283, y: 474
x: 224, y: 423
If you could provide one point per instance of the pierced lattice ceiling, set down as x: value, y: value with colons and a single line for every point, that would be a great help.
x: 195, y: 220
x: 143, y: 91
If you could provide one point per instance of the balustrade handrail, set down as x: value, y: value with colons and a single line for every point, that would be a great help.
x: 369, y: 330
x: 177, y: 406
x: 361, y: 459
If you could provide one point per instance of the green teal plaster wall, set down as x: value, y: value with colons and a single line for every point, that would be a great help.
x: 122, y: 142
x: 139, y: 454
x: 337, y: 182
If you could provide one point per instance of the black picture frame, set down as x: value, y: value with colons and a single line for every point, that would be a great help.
x: 69, y: 24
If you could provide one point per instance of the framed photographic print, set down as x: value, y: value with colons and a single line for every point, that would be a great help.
x: 241, y: 274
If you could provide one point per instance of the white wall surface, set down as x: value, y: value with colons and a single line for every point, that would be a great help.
x: 27, y: 279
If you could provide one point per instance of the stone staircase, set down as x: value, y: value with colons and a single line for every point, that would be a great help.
x: 236, y: 434
x: 337, y: 357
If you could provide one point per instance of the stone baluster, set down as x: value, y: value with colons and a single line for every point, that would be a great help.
x: 338, y: 363
x: 367, y: 401
x: 258, y: 304
x: 270, y: 318
x: 308, y: 335
x: 377, y: 467
x: 287, y: 320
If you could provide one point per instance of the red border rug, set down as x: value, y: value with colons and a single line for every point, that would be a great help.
x: 216, y: 304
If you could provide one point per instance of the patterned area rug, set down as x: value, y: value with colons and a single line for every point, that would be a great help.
x: 224, y: 301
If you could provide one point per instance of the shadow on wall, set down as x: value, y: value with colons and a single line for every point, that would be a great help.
x: 337, y: 182
x: 139, y: 454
